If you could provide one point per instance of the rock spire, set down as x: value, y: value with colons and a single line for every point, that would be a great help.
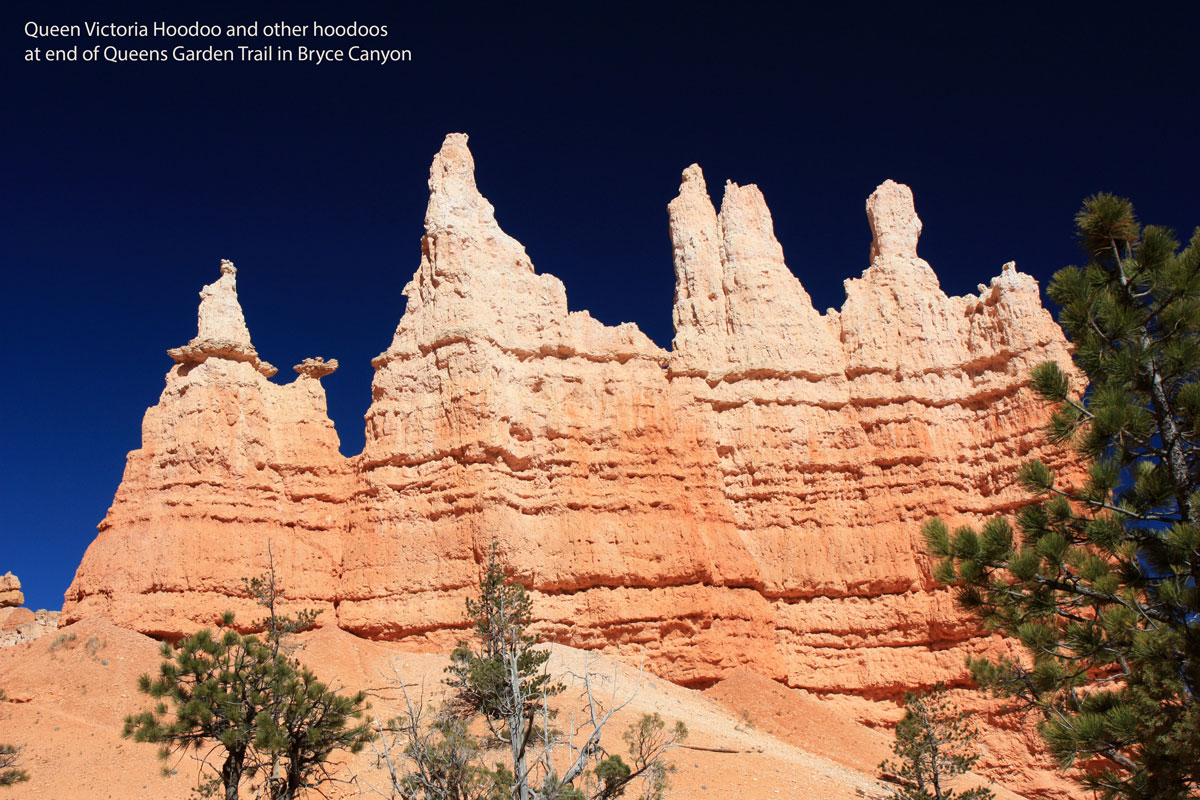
x: 222, y: 326
x: 895, y: 226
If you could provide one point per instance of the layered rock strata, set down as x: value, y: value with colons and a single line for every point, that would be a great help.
x: 497, y: 413
x: 231, y: 465
x: 838, y: 434
x: 751, y: 498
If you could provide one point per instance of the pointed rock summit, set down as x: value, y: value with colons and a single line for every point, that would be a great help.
x: 895, y: 226
x: 455, y: 202
x: 222, y: 326
x: 737, y: 305
x: 701, y: 307
x: 220, y: 315
x: 460, y: 224
x: 477, y: 282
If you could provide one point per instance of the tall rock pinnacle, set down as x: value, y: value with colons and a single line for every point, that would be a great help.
x: 737, y: 305
x: 455, y: 202
x: 220, y: 315
x: 476, y: 281
x: 233, y: 471
x: 222, y: 326
x: 895, y: 226
x: 457, y: 211
x: 701, y: 308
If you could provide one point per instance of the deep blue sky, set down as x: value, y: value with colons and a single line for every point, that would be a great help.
x: 123, y: 185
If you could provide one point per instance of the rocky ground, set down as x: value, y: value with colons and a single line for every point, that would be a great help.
x: 17, y: 623
x: 750, y: 738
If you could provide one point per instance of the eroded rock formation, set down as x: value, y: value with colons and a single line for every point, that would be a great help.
x: 838, y: 434
x: 230, y: 464
x: 17, y: 623
x: 751, y: 498
x: 10, y: 591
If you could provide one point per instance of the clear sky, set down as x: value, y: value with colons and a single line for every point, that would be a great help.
x: 123, y: 184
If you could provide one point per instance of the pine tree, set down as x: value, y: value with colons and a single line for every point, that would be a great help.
x: 933, y: 744
x: 502, y: 678
x: 266, y: 592
x: 240, y: 695
x: 210, y: 692
x: 10, y: 760
x: 10, y: 772
x: 302, y: 721
x: 1102, y: 586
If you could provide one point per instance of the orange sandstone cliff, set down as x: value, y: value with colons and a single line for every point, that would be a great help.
x: 751, y: 498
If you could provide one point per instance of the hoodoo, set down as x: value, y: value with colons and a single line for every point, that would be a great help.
x: 229, y: 464
x: 751, y: 498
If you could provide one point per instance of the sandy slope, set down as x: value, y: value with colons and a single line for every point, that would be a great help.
x: 750, y: 738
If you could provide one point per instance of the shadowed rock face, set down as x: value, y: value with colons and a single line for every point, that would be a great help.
x: 751, y: 498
